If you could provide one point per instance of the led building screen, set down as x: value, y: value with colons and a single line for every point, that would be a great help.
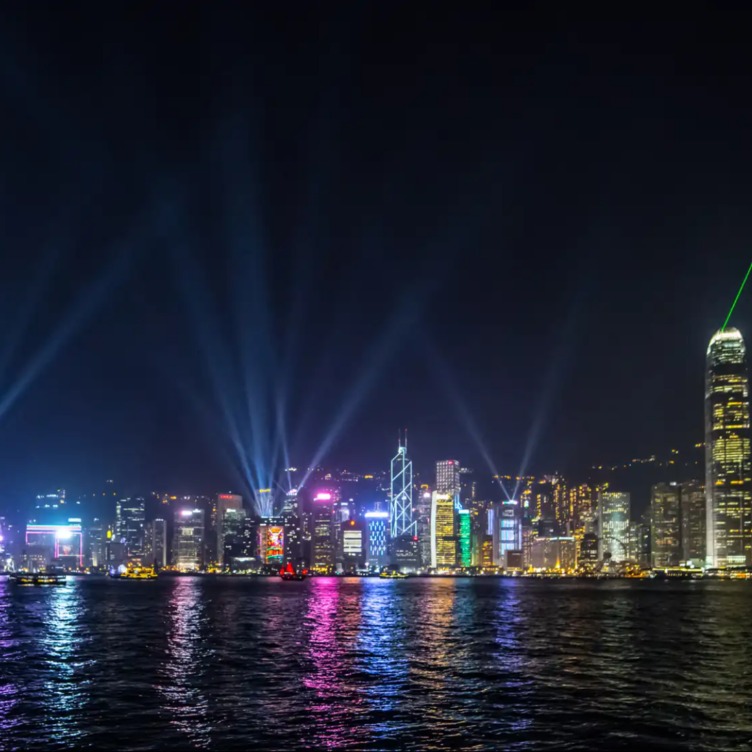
x: 275, y: 542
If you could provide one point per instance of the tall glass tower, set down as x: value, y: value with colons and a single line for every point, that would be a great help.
x: 728, y: 469
x: 401, y: 505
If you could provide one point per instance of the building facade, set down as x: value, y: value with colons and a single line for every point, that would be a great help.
x: 728, y: 467
x: 401, y: 496
x: 443, y: 539
x: 225, y: 504
x: 693, y: 520
x: 613, y: 525
x: 665, y: 525
x: 448, y: 480
x: 188, y: 540
x: 130, y: 520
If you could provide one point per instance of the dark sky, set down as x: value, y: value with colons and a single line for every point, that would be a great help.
x: 374, y: 214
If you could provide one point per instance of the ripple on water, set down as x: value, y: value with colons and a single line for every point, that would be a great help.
x: 190, y: 663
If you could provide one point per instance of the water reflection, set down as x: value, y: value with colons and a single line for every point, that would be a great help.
x: 9, y: 655
x: 381, y: 646
x: 182, y: 673
x: 62, y: 641
x: 332, y: 618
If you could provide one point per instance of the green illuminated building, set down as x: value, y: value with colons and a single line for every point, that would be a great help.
x: 464, y: 541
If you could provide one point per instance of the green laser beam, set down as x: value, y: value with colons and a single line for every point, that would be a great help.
x: 733, y: 305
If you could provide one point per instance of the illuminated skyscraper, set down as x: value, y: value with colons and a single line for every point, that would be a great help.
x: 464, y: 538
x: 353, y: 545
x: 613, y: 525
x: 728, y: 467
x: 376, y: 527
x: 665, y: 526
x: 443, y: 539
x: 506, y: 528
x: 225, y: 503
x: 322, y: 525
x: 693, y: 518
x: 130, y: 517
x: 188, y: 539
x: 448, y: 480
x: 401, y: 504
x: 155, y: 547
x: 423, y: 523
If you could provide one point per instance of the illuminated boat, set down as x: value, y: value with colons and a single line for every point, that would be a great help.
x: 392, y: 574
x: 133, y: 572
x: 50, y: 576
x: 288, y: 572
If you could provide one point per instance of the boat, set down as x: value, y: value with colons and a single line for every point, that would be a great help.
x: 289, y: 572
x: 392, y: 574
x: 133, y: 572
x: 48, y: 576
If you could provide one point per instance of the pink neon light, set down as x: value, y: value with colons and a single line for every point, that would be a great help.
x: 323, y: 496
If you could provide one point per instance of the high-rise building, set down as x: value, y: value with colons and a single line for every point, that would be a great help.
x: 468, y: 486
x: 225, y: 503
x: 353, y: 555
x: 506, y: 523
x: 588, y: 558
x: 155, y: 545
x: 322, y: 526
x: 401, y: 499
x: 639, y: 541
x: 377, y: 522
x: 423, y: 524
x: 728, y: 465
x: 613, y: 525
x: 62, y: 544
x: 95, y: 544
x: 448, y: 480
x: 464, y: 549
x: 188, y: 539
x: 130, y: 518
x: 665, y: 525
x: 555, y: 553
x: 272, y: 541
x: 693, y: 516
x: 443, y: 539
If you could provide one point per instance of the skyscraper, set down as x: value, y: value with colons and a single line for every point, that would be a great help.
x: 443, y: 539
x: 322, y: 524
x: 188, y: 539
x: 728, y: 468
x: 448, y: 480
x: 376, y: 526
x: 225, y: 503
x: 693, y: 517
x: 130, y: 517
x: 464, y: 552
x: 665, y: 527
x: 613, y: 525
x: 506, y: 529
x: 155, y: 546
x: 423, y: 523
x: 401, y: 505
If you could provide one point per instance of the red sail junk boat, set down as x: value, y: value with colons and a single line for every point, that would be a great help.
x: 288, y: 572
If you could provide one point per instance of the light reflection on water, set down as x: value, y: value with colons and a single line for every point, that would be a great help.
x: 334, y: 663
x: 182, y: 673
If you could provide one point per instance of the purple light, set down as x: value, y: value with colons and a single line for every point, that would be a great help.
x: 186, y: 512
x: 322, y: 496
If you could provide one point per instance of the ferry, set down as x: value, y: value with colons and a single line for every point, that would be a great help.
x: 49, y: 576
x: 392, y: 574
x: 288, y: 572
x: 133, y: 572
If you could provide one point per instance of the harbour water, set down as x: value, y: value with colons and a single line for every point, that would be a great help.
x: 330, y: 663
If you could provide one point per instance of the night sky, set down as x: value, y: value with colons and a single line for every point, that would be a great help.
x: 374, y: 214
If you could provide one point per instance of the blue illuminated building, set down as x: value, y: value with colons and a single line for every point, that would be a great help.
x: 376, y: 533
